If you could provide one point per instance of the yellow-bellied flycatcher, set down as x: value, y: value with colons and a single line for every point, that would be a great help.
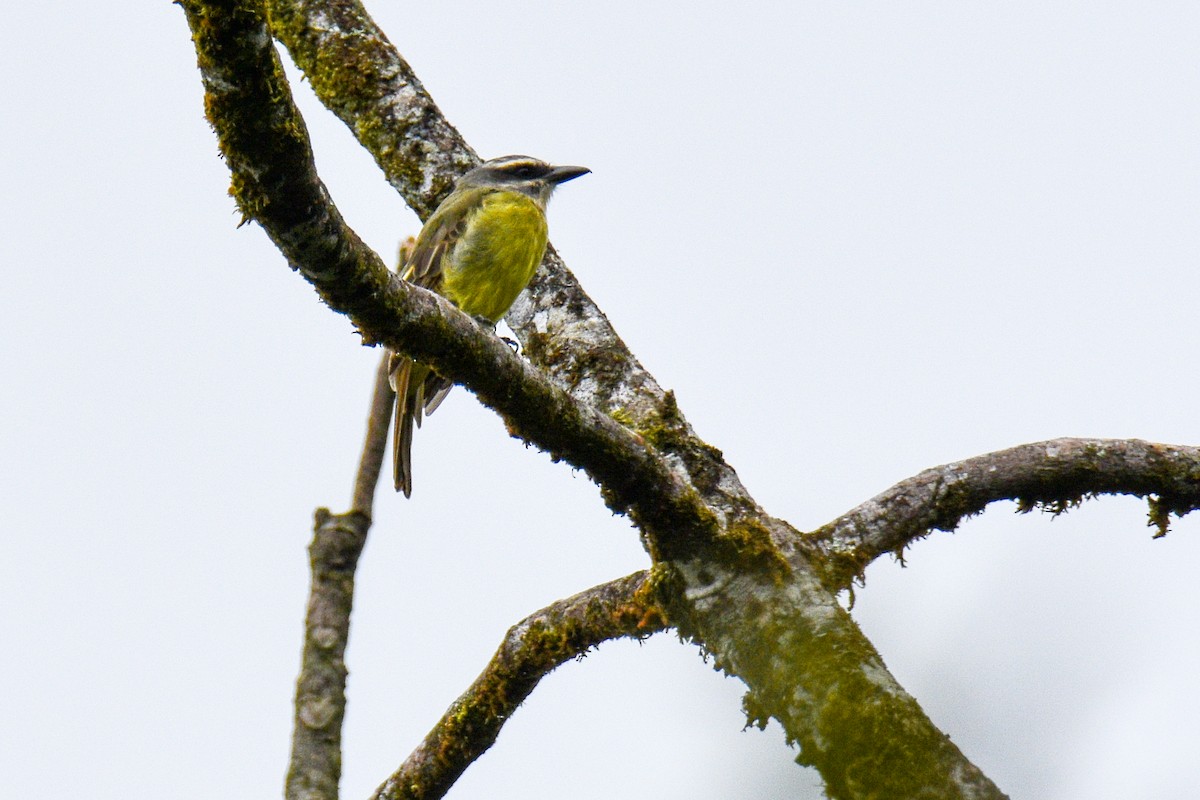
x: 479, y: 250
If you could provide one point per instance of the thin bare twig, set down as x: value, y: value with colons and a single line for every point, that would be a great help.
x: 315, y: 765
x: 367, y: 477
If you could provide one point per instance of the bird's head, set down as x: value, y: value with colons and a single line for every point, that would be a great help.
x: 529, y: 176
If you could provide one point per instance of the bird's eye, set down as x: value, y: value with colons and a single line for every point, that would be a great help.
x: 524, y: 171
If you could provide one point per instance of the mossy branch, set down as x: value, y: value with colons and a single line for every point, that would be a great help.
x: 364, y: 81
x: 264, y: 141
x: 736, y: 580
x: 531, y: 650
x: 741, y: 587
x: 358, y: 75
x: 1055, y: 475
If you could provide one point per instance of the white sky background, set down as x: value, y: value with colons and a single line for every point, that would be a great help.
x: 857, y: 240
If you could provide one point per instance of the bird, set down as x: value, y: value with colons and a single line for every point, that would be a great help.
x: 479, y: 249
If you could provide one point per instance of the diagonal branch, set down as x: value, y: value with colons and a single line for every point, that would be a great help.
x: 360, y: 77
x: 264, y: 141
x: 531, y: 650
x: 1057, y: 475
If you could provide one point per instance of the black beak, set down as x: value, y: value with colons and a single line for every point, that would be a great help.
x: 564, y: 174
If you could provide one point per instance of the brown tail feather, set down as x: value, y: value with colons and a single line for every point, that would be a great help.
x: 418, y: 391
x: 402, y: 444
x: 399, y: 375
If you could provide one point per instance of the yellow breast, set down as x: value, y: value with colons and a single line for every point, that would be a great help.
x: 495, y: 258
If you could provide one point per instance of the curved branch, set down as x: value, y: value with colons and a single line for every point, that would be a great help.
x: 531, y: 649
x: 1056, y: 474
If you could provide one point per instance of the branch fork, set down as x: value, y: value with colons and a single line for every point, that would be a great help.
x: 748, y: 588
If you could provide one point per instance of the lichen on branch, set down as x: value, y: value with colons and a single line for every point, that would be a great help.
x: 567, y: 629
x: 743, y: 585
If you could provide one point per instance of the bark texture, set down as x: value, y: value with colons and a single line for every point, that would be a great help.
x: 531, y: 649
x: 752, y: 591
x: 1055, y: 476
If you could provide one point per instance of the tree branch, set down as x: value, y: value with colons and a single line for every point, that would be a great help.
x: 315, y: 764
x: 733, y: 578
x: 531, y: 650
x: 1055, y: 475
x: 366, y: 479
x: 278, y: 188
x: 359, y: 76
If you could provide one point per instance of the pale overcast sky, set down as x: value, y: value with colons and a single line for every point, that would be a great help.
x: 857, y: 239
